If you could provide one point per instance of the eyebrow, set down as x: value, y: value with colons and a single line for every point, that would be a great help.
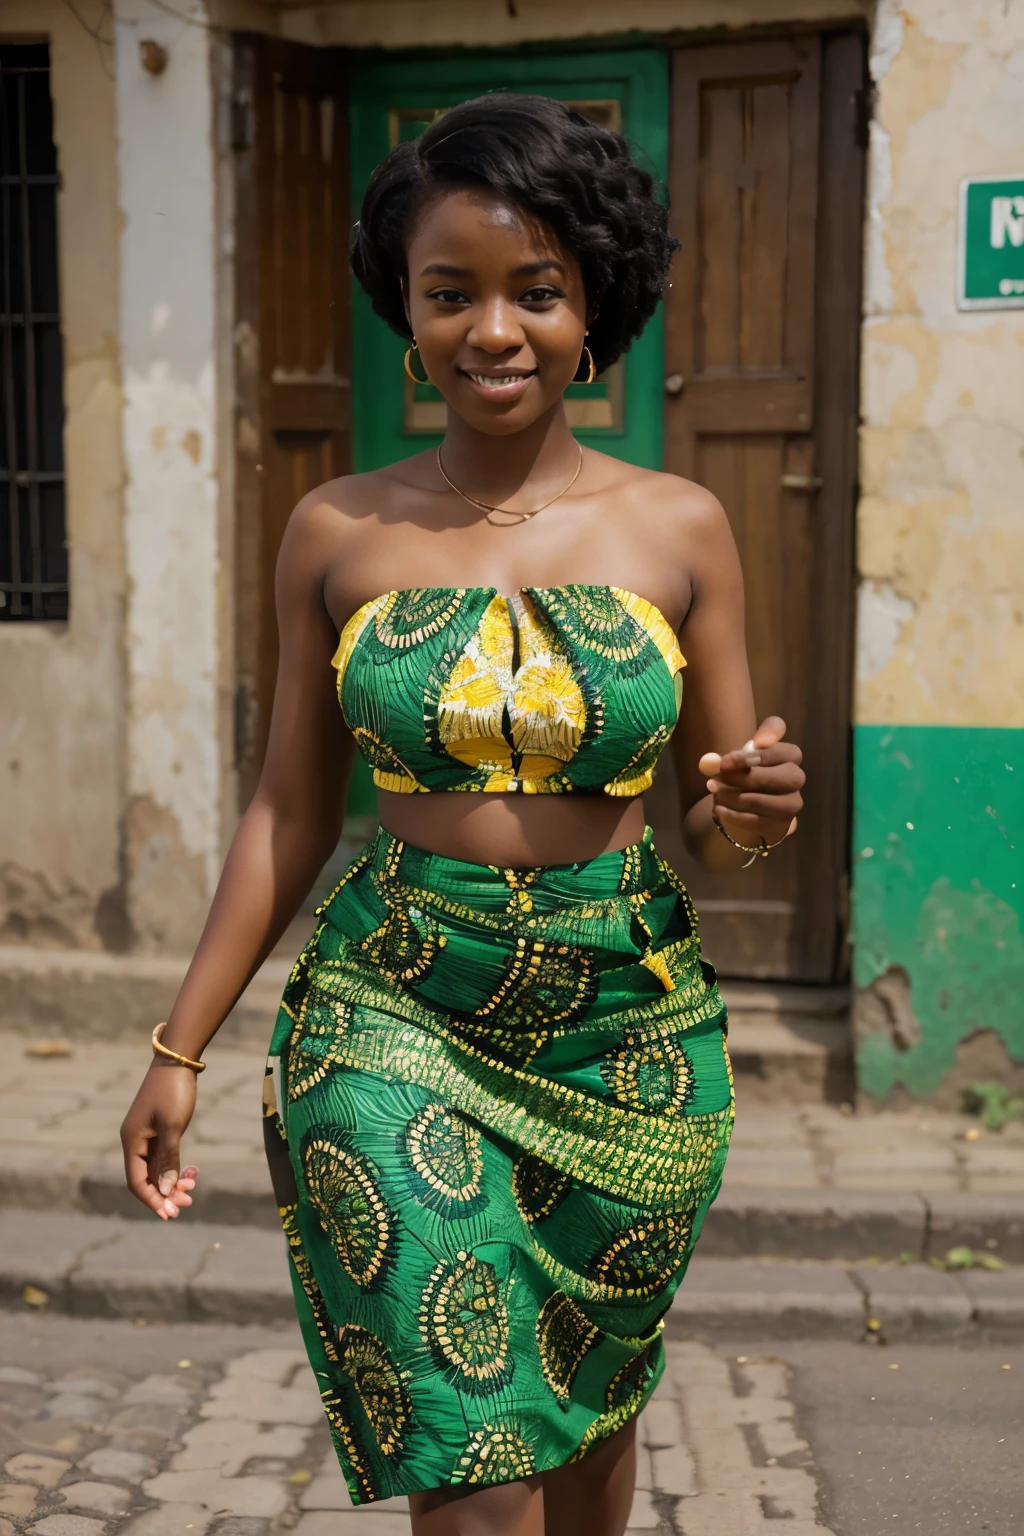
x: 528, y: 269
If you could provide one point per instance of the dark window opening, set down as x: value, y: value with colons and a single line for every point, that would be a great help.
x: 33, y: 548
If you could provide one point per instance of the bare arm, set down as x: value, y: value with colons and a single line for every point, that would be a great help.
x: 753, y: 790
x: 282, y: 842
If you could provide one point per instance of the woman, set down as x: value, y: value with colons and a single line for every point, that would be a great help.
x: 499, y: 1099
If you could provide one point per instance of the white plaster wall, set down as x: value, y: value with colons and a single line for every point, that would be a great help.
x: 61, y: 685
x: 169, y: 266
x: 941, y: 535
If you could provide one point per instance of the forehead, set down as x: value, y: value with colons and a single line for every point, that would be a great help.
x: 480, y: 228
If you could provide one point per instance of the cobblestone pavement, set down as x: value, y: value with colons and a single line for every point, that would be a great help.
x: 138, y: 1438
x: 59, y: 1119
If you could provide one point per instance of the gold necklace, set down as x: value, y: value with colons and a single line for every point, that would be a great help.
x: 485, y: 506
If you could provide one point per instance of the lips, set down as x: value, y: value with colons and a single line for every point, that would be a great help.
x: 498, y: 386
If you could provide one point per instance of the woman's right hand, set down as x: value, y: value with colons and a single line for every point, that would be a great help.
x: 151, y: 1139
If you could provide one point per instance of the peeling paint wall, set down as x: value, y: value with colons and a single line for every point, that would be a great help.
x: 62, y: 765
x: 940, y: 654
x: 167, y: 175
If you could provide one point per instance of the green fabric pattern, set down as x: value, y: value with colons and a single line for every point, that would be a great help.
x: 553, y: 690
x: 497, y: 1111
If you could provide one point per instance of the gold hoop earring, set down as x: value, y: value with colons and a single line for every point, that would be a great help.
x: 408, y: 364
x: 591, y: 370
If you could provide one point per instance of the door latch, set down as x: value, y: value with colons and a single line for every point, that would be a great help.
x: 801, y: 482
x: 674, y: 384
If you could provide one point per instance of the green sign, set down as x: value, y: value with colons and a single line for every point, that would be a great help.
x: 991, y: 256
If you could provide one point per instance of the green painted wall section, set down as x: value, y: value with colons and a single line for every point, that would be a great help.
x: 938, y: 889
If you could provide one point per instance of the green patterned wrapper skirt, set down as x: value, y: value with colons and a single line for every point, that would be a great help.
x: 498, y: 1106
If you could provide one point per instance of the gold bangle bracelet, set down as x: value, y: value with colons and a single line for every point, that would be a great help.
x: 762, y: 850
x: 164, y: 1050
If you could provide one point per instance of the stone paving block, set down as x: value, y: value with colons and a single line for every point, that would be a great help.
x: 18, y: 1499
x: 51, y: 1436
x: 7, y: 1527
x: 170, y: 1520
x: 266, y: 1497
x: 914, y: 1298
x: 780, y: 1299
x: 273, y: 1365
x: 978, y: 1221
x: 813, y: 1224
x: 77, y: 1407
x: 368, y: 1520
x: 37, y: 1250
x: 158, y: 1388
x: 228, y: 1444
x: 245, y: 1279
x: 105, y: 1499
x: 15, y: 1376
x: 144, y: 1272
x: 997, y: 1299
x: 129, y: 1466
x: 326, y: 1493
x: 261, y: 1403
x: 642, y: 1516
x: 69, y: 1525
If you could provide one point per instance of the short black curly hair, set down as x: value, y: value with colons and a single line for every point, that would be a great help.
x: 553, y: 163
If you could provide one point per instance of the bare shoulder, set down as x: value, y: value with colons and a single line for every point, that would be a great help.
x: 681, y: 511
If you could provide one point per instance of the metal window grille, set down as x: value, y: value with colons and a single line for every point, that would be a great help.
x: 33, y: 551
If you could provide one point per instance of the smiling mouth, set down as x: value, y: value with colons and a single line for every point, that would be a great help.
x: 497, y: 380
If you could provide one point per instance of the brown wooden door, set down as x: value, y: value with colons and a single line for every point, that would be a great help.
x: 766, y: 177
x: 292, y: 330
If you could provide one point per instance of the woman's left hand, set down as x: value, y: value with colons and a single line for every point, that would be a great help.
x: 758, y: 782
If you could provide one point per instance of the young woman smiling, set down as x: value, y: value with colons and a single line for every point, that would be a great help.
x: 499, y: 1099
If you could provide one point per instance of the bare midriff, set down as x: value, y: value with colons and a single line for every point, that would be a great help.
x: 513, y: 831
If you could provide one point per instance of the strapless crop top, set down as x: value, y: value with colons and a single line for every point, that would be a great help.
x: 555, y: 690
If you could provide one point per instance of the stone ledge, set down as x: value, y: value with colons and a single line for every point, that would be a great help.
x: 100, y: 1266
x: 747, y: 1222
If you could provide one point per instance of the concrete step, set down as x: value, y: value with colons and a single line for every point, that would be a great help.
x: 95, y: 1266
x: 790, y: 1044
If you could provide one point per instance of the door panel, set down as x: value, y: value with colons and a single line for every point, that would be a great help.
x: 758, y: 398
x: 292, y: 332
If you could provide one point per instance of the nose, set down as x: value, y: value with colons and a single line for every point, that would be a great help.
x: 495, y: 327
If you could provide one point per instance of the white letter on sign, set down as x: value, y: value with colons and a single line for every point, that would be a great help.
x: 1007, y: 220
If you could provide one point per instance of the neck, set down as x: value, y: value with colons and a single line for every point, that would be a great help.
x: 525, y: 465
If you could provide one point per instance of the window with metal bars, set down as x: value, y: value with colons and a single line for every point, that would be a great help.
x: 33, y: 550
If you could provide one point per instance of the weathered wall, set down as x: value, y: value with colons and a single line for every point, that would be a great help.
x: 175, y: 624
x: 940, y: 680
x: 496, y: 24
x: 61, y: 686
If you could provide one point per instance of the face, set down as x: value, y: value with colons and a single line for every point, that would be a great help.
x: 497, y: 307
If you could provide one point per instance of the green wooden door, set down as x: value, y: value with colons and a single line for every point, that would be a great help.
x: 395, y: 99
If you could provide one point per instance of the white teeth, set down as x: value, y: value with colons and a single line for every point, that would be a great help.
x: 490, y: 382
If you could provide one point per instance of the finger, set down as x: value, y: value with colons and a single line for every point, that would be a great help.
x: 711, y: 762
x: 766, y: 757
x: 771, y: 730
x: 136, y: 1145
x: 165, y: 1159
x: 782, y: 780
x: 777, y: 807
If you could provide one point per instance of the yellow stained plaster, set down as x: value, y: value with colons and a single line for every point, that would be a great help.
x: 940, y: 534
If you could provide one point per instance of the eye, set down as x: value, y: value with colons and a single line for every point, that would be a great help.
x: 542, y: 293
x: 448, y: 296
